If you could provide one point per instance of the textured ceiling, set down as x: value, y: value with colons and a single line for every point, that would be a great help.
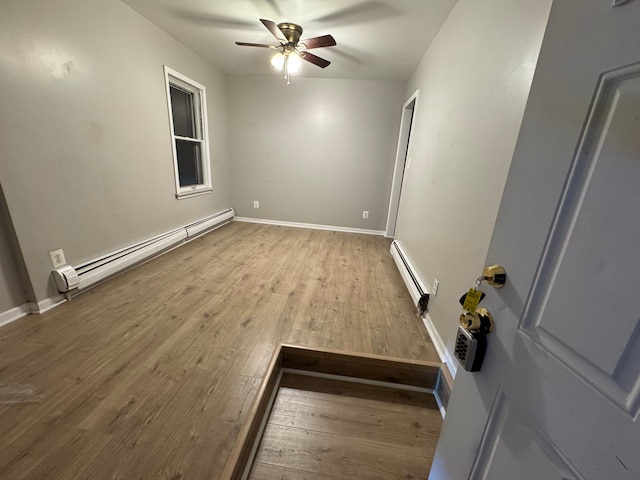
x: 376, y: 39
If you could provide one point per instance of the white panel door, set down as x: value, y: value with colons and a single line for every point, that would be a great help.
x: 558, y: 396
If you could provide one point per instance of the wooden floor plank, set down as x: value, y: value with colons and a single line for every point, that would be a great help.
x: 342, y: 429
x: 176, y: 349
x: 394, y: 398
x: 336, y: 455
x: 409, y: 372
x: 356, y: 418
x: 264, y: 471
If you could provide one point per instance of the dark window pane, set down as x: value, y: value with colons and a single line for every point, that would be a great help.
x: 182, y: 111
x: 189, y: 167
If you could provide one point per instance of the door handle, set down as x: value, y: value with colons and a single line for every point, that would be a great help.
x: 480, y: 321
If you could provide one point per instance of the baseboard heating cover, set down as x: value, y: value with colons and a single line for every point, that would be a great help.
x: 70, y: 279
x: 412, y: 280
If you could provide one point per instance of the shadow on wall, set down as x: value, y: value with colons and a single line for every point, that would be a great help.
x: 15, y: 288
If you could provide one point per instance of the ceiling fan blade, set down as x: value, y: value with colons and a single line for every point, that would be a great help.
x: 317, y: 42
x: 273, y: 28
x: 316, y: 60
x: 247, y: 44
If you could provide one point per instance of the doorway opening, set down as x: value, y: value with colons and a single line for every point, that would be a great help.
x: 402, y: 162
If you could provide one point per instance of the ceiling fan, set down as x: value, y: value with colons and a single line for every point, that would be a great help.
x: 291, y: 49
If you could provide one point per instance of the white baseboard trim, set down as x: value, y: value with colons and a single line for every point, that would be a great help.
x: 15, y: 313
x: 191, y: 231
x: 451, y: 363
x: 443, y: 353
x: 416, y: 286
x: 95, y: 271
x: 47, y: 304
x: 312, y: 226
x: 30, y: 307
x: 441, y: 407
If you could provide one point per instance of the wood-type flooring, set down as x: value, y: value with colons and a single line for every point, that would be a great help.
x: 328, y: 429
x: 151, y: 374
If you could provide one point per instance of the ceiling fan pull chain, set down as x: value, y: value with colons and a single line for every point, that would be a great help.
x: 286, y: 69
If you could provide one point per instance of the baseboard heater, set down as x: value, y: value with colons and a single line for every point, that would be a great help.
x: 411, y: 279
x: 71, y: 279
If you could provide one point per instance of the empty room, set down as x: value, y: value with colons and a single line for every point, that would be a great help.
x: 337, y: 239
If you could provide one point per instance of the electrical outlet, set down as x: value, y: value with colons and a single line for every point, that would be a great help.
x: 434, y: 289
x: 256, y: 204
x: 57, y: 258
x: 365, y: 214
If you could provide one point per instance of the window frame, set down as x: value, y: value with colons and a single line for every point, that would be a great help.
x: 201, y: 124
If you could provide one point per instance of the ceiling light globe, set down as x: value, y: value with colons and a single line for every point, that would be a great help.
x: 277, y: 61
x: 294, y: 63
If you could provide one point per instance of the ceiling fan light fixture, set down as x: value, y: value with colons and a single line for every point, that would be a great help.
x: 293, y: 62
x: 277, y: 61
x: 291, y: 51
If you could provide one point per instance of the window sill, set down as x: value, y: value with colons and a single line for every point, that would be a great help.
x: 193, y: 193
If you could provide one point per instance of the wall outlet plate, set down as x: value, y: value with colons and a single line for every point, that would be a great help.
x: 434, y: 288
x: 256, y: 204
x: 365, y: 214
x: 57, y: 258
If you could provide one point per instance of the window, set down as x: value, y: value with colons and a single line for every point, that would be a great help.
x: 189, y: 134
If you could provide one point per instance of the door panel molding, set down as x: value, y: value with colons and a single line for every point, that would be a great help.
x: 510, y: 434
x: 603, y: 176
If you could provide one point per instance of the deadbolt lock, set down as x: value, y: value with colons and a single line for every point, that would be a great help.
x: 495, y: 275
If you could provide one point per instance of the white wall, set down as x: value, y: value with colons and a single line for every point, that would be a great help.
x: 86, y: 153
x: 14, y: 284
x: 474, y: 82
x: 318, y: 151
